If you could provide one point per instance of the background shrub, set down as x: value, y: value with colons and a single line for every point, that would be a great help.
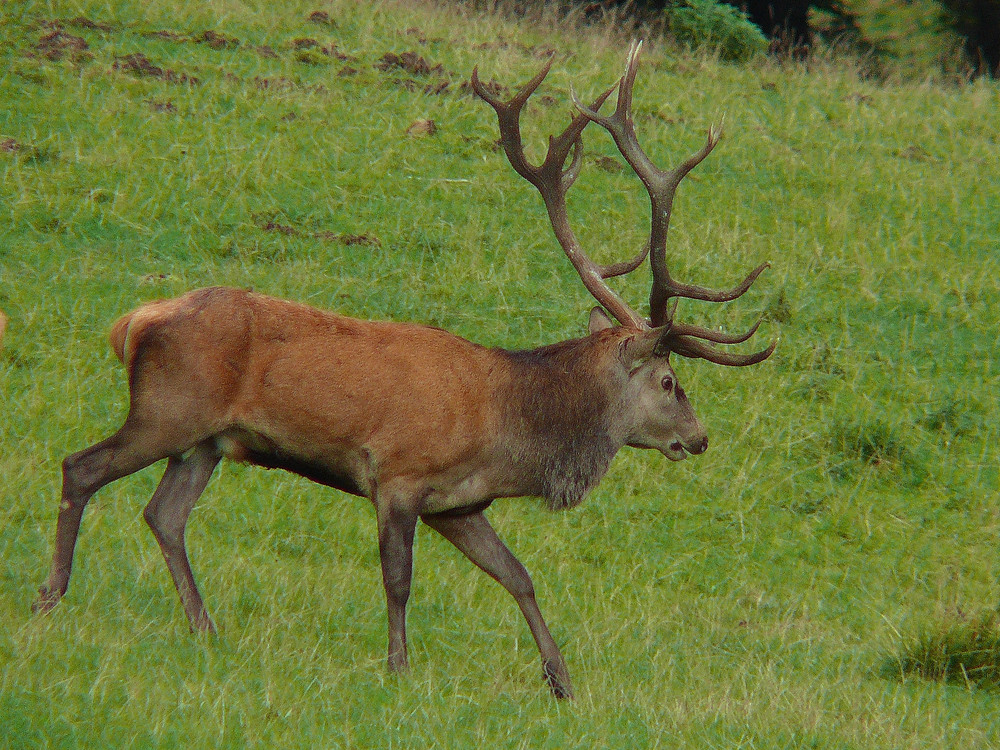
x: 706, y: 23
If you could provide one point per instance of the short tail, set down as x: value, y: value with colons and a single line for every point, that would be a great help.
x: 119, y: 335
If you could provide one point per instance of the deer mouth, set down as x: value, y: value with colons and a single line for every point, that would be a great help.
x: 676, y: 451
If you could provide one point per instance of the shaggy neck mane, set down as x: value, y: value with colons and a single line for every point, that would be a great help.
x: 559, y: 411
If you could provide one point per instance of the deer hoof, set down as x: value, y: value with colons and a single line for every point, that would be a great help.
x: 203, y: 624
x: 558, y: 679
x: 46, y: 601
x: 398, y: 664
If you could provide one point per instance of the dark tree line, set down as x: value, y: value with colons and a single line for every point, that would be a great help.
x: 978, y: 22
x: 786, y: 23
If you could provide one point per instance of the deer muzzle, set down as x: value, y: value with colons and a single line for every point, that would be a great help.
x: 679, y: 449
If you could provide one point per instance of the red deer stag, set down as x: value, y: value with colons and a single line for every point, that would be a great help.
x: 421, y: 422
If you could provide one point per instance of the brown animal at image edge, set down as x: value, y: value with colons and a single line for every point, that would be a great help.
x: 423, y: 423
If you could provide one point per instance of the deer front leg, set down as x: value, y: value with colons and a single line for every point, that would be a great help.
x: 477, y: 540
x: 396, y: 526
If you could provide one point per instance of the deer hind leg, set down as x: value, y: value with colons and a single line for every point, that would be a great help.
x: 167, y: 514
x: 84, y: 473
x: 477, y: 540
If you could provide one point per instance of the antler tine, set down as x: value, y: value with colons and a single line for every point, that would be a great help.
x: 696, y: 349
x: 621, y: 126
x: 661, y: 186
x: 509, y: 116
x: 625, y: 266
x: 683, y: 338
x: 552, y: 180
x: 709, y: 334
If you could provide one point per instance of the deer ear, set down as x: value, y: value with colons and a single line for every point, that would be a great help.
x: 599, y: 320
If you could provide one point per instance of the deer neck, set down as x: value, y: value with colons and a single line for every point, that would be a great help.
x: 558, y: 408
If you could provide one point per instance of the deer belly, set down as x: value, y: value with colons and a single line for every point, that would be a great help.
x: 252, y: 448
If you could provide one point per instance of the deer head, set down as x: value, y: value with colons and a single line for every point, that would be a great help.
x: 662, y: 415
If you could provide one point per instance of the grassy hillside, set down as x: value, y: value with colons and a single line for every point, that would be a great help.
x: 762, y: 595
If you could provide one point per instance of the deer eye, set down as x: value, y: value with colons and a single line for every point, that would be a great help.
x: 667, y: 383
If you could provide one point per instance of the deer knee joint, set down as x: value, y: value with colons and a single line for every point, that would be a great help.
x: 166, y: 527
x: 397, y: 586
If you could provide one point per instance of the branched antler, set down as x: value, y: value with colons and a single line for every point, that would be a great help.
x: 661, y: 186
x: 553, y: 179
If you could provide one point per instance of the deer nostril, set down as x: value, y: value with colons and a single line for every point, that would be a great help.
x: 701, y: 447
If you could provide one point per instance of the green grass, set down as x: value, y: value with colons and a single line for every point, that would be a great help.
x: 747, y: 598
x: 954, y: 649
